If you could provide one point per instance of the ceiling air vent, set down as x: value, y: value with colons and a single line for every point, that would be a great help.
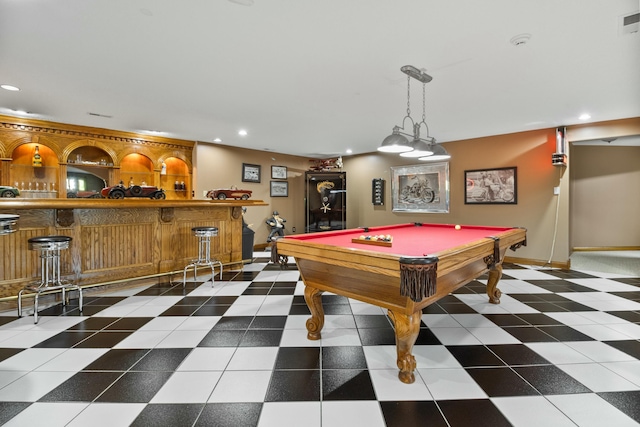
x: 630, y: 23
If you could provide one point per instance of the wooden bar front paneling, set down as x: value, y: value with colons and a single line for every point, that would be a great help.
x: 117, y: 239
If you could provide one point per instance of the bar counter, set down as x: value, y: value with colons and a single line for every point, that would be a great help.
x: 117, y: 239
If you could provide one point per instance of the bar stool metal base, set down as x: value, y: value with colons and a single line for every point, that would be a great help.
x: 204, y: 235
x: 49, y: 247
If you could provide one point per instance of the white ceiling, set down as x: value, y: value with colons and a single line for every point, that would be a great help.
x: 314, y: 78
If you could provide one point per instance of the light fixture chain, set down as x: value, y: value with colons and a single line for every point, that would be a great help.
x: 424, y: 117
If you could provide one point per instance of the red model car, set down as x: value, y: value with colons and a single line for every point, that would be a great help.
x: 120, y: 191
x: 231, y: 193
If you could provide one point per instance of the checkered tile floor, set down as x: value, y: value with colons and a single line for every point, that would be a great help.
x: 562, y: 349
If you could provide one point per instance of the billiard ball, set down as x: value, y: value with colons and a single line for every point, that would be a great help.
x: 457, y: 227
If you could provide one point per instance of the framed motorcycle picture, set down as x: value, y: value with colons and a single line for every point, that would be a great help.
x: 420, y: 188
x: 491, y: 186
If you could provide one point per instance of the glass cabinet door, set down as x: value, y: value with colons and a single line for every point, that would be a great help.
x: 326, y: 199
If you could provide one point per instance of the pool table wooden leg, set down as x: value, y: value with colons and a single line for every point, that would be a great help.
x: 495, y: 273
x: 407, y: 330
x: 313, y: 297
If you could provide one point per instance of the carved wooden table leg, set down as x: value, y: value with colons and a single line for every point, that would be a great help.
x: 492, y: 285
x: 407, y: 330
x: 313, y: 297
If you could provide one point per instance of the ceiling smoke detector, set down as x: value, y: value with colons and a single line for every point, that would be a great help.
x: 520, y: 39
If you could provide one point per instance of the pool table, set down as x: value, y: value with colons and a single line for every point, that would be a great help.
x: 420, y: 264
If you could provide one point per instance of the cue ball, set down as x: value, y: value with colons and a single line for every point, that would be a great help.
x: 457, y: 227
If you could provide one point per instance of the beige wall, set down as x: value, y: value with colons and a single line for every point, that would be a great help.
x: 220, y: 166
x: 530, y: 152
x: 605, y: 196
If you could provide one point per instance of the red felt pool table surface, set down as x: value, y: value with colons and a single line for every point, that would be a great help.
x: 410, y: 239
x: 424, y: 263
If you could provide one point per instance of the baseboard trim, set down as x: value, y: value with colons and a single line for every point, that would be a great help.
x: 528, y: 261
x: 605, y: 248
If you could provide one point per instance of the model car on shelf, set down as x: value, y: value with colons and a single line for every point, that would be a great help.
x: 6, y: 191
x: 83, y: 195
x: 229, y: 193
x: 120, y: 192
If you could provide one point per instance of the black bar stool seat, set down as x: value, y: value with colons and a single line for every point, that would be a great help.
x: 204, y: 235
x: 50, y: 281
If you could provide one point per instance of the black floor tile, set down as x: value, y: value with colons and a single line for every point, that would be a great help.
x: 378, y: 336
x: 426, y: 337
x: 180, y: 310
x: 162, y: 359
x: 221, y: 300
x: 299, y: 310
x: 298, y: 358
x: 476, y: 413
x: 82, y: 387
x: 412, y: 413
x: 117, y: 360
x: 347, y: 384
x: 9, y: 410
x: 229, y: 415
x: 128, y: 324
x: 261, y: 338
x: 518, y: 354
x: 372, y: 321
x: 268, y: 322
x: 564, y: 333
x: 456, y: 308
x: 135, y: 387
x: 6, y: 319
x: 233, y: 323
x: 222, y: 338
x: 336, y: 309
x: 104, y: 339
x: 156, y: 415
x: 626, y: 401
x: 211, y: 310
x: 6, y: 353
x: 94, y: 324
x: 529, y: 334
x: 631, y: 316
x: 506, y: 319
x: 631, y: 347
x: 500, y: 382
x: 549, y: 379
x: 66, y: 339
x: 536, y: 319
x: 343, y: 358
x: 474, y: 356
x: 294, y: 386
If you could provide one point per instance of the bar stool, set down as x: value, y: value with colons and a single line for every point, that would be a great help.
x: 49, y: 247
x: 204, y: 235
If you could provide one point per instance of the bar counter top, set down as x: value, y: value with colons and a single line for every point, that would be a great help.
x: 19, y: 203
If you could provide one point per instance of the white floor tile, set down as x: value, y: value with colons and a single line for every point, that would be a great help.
x: 604, y: 285
x: 187, y: 387
x: 337, y: 321
x: 451, y: 384
x: 493, y: 335
x: 455, y: 336
x: 601, y: 332
x: 531, y: 411
x: 30, y: 359
x: 600, y: 352
x: 297, y: 338
x: 628, y: 370
x: 164, y: 323
x: 241, y: 386
x: 289, y: 414
x: 598, y: 378
x: 32, y: 386
x: 182, y: 339
x: 253, y: 358
x: 589, y: 410
x: 388, y: 387
x: 558, y: 353
x: 339, y: 337
x: 382, y: 356
x: 352, y: 413
x: 243, y: 310
x: 28, y: 339
x: 107, y: 415
x: 198, y: 323
x: 207, y: 359
x: 73, y: 359
x: 47, y: 414
x: 143, y: 339
x: 440, y: 321
x: 432, y: 357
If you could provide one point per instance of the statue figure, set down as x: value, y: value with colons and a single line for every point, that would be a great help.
x: 277, y: 226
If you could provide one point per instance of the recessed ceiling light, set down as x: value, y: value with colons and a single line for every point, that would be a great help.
x: 584, y: 116
x: 349, y: 151
x: 243, y: 2
x: 217, y: 140
x: 9, y: 87
x: 242, y: 132
x: 520, y: 39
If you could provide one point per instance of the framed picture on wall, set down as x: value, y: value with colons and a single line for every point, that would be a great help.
x: 278, y: 172
x: 250, y: 173
x: 279, y: 189
x: 491, y: 186
x: 420, y: 188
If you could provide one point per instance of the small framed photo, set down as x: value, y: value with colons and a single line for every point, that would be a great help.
x: 279, y: 189
x: 278, y: 172
x: 250, y: 173
x: 491, y: 186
